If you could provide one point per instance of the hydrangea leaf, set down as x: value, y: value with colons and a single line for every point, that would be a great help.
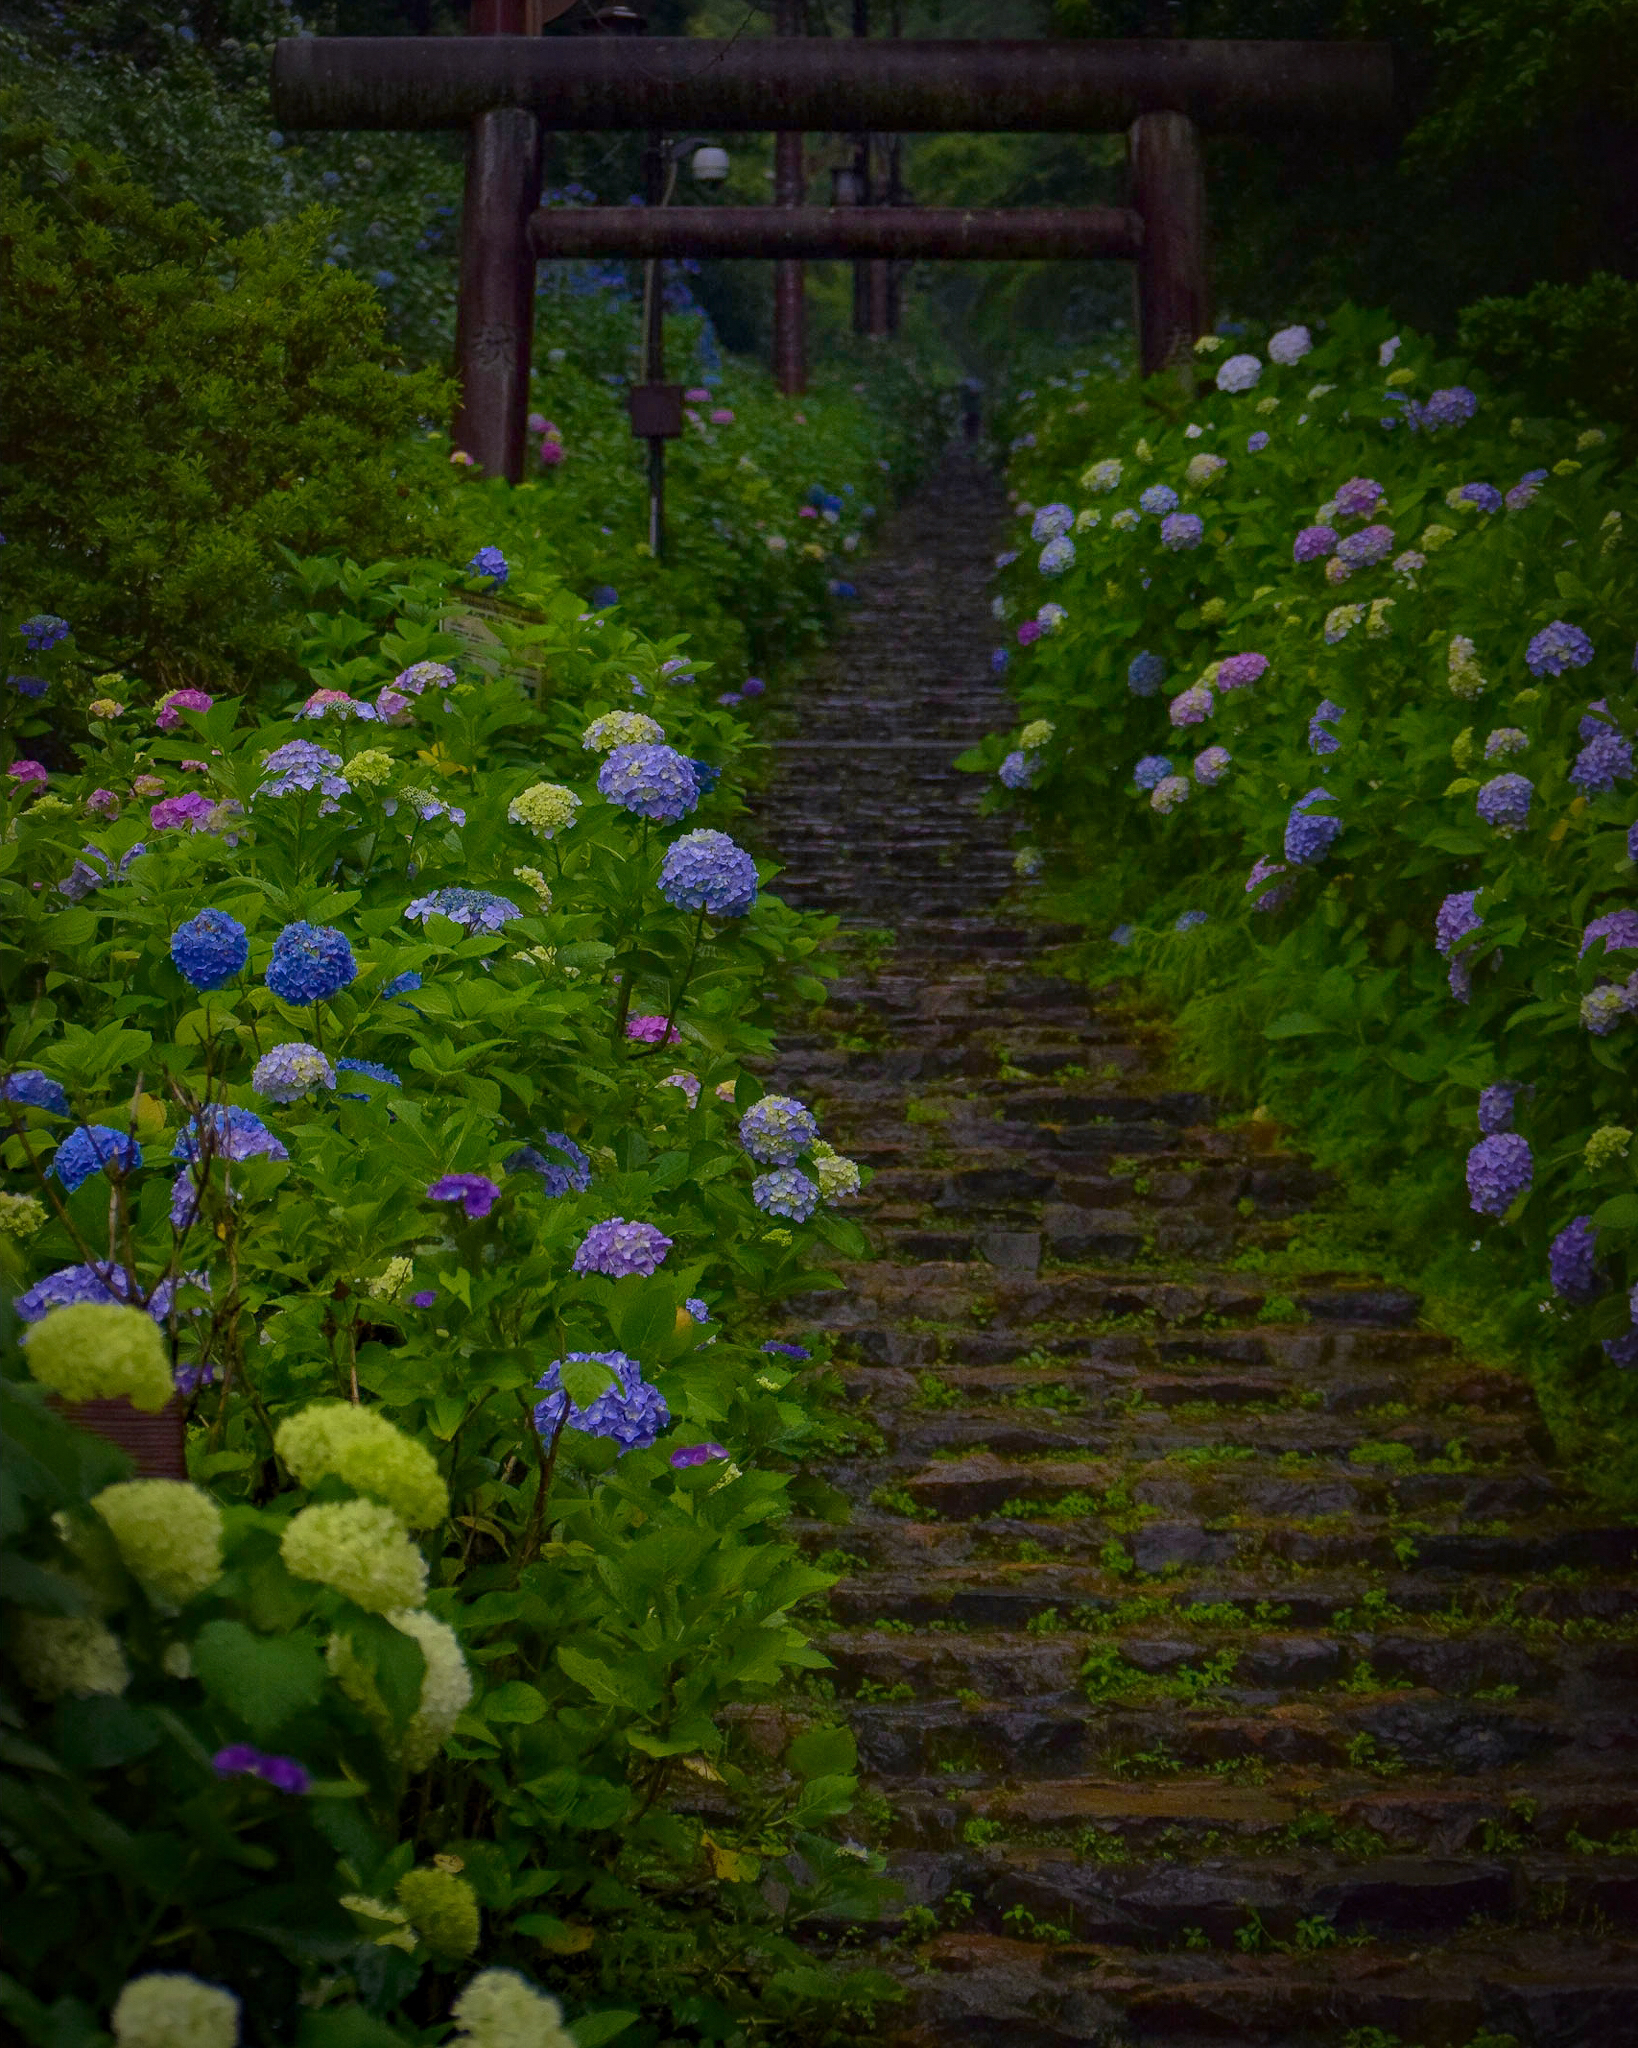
x: 261, y: 1680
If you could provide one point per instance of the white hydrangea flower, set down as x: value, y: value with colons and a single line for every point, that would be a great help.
x: 1102, y: 476
x: 166, y: 2010
x: 1239, y: 373
x: 500, y: 2009
x: 616, y: 729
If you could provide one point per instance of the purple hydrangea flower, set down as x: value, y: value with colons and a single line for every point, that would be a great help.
x: 423, y: 675
x: 1485, y: 496
x: 287, y: 1072
x: 1151, y: 770
x: 1617, y: 928
x: 95, y: 1148
x: 619, y: 1249
x: 707, y: 871
x: 1572, y: 1263
x: 477, y: 910
x: 631, y: 1413
x: 94, y: 869
x: 1191, y: 920
x: 210, y: 949
x: 698, y: 1309
x: 1452, y: 407
x: 1321, y: 740
x: 696, y: 1454
x: 489, y: 562
x: 1211, y: 765
x: 1052, y: 520
x: 173, y: 812
x: 283, y: 1773
x: 424, y: 1298
x: 1145, y: 673
x: 573, y: 1179
x: 1309, y: 837
x: 1193, y: 706
x: 42, y: 632
x: 71, y: 1284
x: 1456, y: 919
x: 1596, y: 720
x: 1522, y: 493
x: 777, y: 1130
x: 1257, y: 443
x: 1182, y: 530
x: 1314, y: 543
x: 1359, y: 497
x: 1017, y: 771
x: 28, y: 686
x: 476, y: 1193
x: 1240, y: 671
x: 1158, y: 500
x: 372, y: 1070
x: 1496, y: 1108
x: 231, y: 1134
x: 1029, y: 632
x: 1370, y: 545
x: 650, y: 780
x: 310, y: 964
x: 1623, y: 1351
x: 34, y: 1090
x: 1608, y: 1005
x: 785, y: 1192
x: 300, y: 766
x: 1499, y: 1170
x: 1604, y: 761
x: 1504, y: 802
x: 1556, y: 648
x: 776, y: 1349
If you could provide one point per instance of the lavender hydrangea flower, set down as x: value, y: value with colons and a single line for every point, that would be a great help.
x: 785, y: 1192
x: 1211, y: 765
x: 1457, y: 917
x: 288, y: 1072
x: 620, y: 1249
x: 777, y: 1130
x: 1523, y: 493
x: 300, y: 766
x: 696, y: 1454
x: 1151, y: 770
x: 1239, y: 373
x: 1314, y: 543
x: 1603, y: 1008
x: 699, y: 1310
x: 210, y: 949
x: 1504, y: 802
x: 650, y: 780
x: 191, y: 808
x: 1191, y: 920
x: 1603, y: 762
x: 1321, y: 740
x: 1558, y: 647
x: 574, y: 1178
x: 1359, y: 497
x: 1623, y: 1351
x: 1158, y: 500
x: 1181, y: 531
x: 232, y: 1134
x: 1257, y: 443
x: 34, y: 1090
x: 1362, y: 550
x: 1506, y: 741
x: 1057, y: 556
x: 1309, y: 837
x: 1240, y: 671
x: 1017, y: 771
x: 1572, y: 1263
x: 310, y: 964
x: 95, y: 1148
x: 1145, y: 673
x: 1485, y: 497
x: 489, y: 562
x: 1452, y: 407
x: 775, y: 1349
x: 42, y: 632
x: 283, y: 1773
x: 1596, y: 720
x: 1051, y: 521
x: 1193, y: 705
x: 1289, y: 346
x: 94, y: 869
x: 72, y: 1284
x: 475, y: 909
x: 631, y: 1413
x: 707, y: 871
x: 1617, y: 928
x: 1496, y: 1108
x: 423, y: 675
x: 476, y: 1193
x: 1499, y: 1170
x: 1168, y: 793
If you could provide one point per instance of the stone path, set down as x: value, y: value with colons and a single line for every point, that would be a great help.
x: 1223, y: 1666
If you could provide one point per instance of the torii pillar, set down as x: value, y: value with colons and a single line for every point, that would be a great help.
x: 790, y: 336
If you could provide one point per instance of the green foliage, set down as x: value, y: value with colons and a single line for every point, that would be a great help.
x: 1563, y: 344
x: 188, y: 407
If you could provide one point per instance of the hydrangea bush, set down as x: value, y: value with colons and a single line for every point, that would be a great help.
x: 322, y: 1114
x: 1454, y: 586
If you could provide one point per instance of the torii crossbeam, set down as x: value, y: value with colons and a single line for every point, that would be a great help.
x: 505, y: 88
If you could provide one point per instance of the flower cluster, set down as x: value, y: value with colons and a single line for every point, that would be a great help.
x: 707, y: 871
x: 546, y: 808
x: 785, y: 1192
x: 777, y: 1130
x: 210, y: 949
x: 1309, y: 836
x: 475, y: 910
x: 310, y: 964
x: 620, y: 1249
x: 291, y: 1071
x: 630, y: 1413
x: 649, y: 780
x: 621, y: 729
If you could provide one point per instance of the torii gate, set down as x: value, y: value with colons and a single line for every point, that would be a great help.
x: 503, y: 87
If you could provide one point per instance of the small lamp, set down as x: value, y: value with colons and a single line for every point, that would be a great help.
x: 708, y: 165
x: 846, y: 186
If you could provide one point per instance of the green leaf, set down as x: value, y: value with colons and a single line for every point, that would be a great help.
x: 349, y: 2026
x: 1297, y: 1024
x: 514, y: 1701
x: 644, y: 1315
x: 394, y: 1660
x: 260, y: 1680
x: 1619, y: 1213
x: 609, y: 1686
x: 583, y: 1379
x: 592, y: 2029
x: 823, y: 1752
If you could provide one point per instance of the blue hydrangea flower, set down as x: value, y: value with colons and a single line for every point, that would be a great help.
x: 1191, y: 920
x: 650, y: 780
x: 631, y: 1413
x: 785, y: 1192
x: 1485, y: 496
x: 1211, y: 764
x: 372, y: 1070
x: 42, y: 632
x: 775, y: 1349
x: 1017, y: 771
x: 95, y: 1148
x: 489, y: 562
x: 620, y: 1249
x: 1320, y: 739
x: 477, y: 910
x: 707, y: 871
x: 1052, y: 521
x: 94, y: 868
x: 1158, y: 500
x: 300, y: 766
x: 1362, y: 550
x: 1145, y: 673
x: 1496, y: 1108
x: 210, y: 949
x: 1556, y: 648
x: 1604, y: 761
x: 704, y: 774
x: 1151, y: 770
x: 34, y: 1090
x: 1057, y: 556
x: 71, y: 1284
x: 697, y: 1309
x: 1623, y: 1351
x: 1452, y: 407
x: 1499, y: 1169
x: 574, y: 1178
x: 1182, y: 530
x: 777, y: 1130
x: 28, y: 686
x: 1310, y: 837
x: 233, y: 1134
x: 310, y: 964
x: 288, y: 1072
x: 1257, y: 443
x: 999, y: 657
x: 1123, y: 935
x: 402, y: 985
x: 1504, y: 802
x: 1572, y: 1263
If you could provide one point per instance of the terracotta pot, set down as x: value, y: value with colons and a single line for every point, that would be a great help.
x: 155, y: 1442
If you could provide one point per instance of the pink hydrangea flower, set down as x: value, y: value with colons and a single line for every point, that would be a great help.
x: 25, y: 772
x: 1030, y: 631
x: 1240, y: 671
x: 722, y: 416
x: 190, y: 809
x: 103, y: 803
x: 552, y: 453
x: 697, y: 395
x: 173, y: 705
x: 652, y: 1031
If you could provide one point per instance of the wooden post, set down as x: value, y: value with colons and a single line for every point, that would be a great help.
x: 790, y: 345
x: 1173, y: 282
x: 494, y: 320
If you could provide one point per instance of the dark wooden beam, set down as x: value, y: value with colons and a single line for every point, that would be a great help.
x: 942, y: 233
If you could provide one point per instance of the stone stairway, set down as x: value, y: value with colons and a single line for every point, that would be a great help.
x: 1228, y: 1659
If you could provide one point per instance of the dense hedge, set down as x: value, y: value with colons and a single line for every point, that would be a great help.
x: 1334, y: 657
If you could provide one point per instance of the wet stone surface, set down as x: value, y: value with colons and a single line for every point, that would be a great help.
x: 1203, y: 1692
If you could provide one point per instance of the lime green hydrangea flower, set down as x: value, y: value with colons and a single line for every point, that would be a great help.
x: 1606, y: 1145
x: 443, y: 1910
x: 1036, y: 734
x: 373, y: 766
x: 547, y: 808
x: 57, y: 1654
x: 172, y: 2011
x: 98, y: 1350
x: 446, y: 1687
x: 389, y: 1283
x: 500, y: 2009
x: 621, y: 729
x: 360, y: 1446
x: 20, y: 1215
x: 359, y: 1548
x: 168, y: 1533
x: 837, y: 1176
x: 533, y: 879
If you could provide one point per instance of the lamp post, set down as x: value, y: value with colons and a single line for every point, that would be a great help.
x: 656, y: 406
